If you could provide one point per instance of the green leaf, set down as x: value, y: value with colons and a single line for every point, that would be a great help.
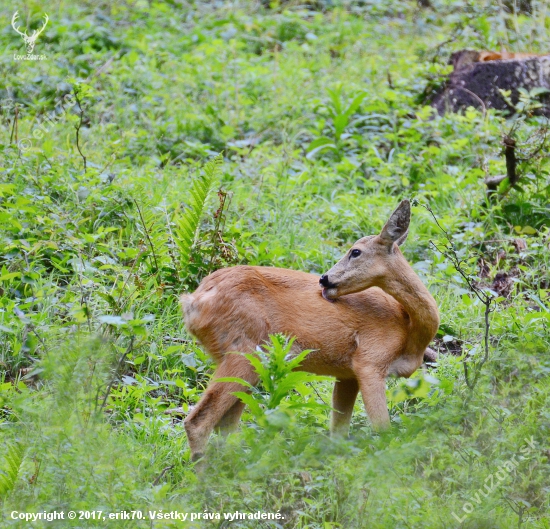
x: 139, y: 360
x: 11, y: 275
x: 320, y: 144
x: 11, y: 467
x: 187, y: 222
x: 112, y: 320
x: 340, y: 123
x: 259, y: 367
x: 527, y: 230
x: 297, y: 360
x: 355, y: 104
x: 335, y: 98
x: 238, y: 380
x: 539, y: 90
x: 6, y: 189
x: 249, y: 400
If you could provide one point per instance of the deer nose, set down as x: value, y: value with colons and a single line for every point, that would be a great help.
x: 323, y: 281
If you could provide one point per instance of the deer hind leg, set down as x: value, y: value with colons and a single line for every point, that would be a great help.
x: 218, y: 405
x: 230, y: 420
x: 373, y: 391
x: 343, y: 399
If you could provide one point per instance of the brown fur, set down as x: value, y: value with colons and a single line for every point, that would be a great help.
x: 380, y: 321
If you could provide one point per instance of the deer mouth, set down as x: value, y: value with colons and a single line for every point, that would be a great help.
x: 329, y: 294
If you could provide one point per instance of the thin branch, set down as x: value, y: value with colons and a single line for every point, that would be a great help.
x: 109, y: 163
x: 317, y: 393
x: 119, y: 365
x: 161, y: 475
x: 486, y: 298
x: 102, y: 68
x: 172, y: 243
x: 475, y: 96
x: 14, y: 126
x: 538, y: 149
x: 511, y: 161
x: 173, y: 339
x: 147, y: 235
x: 78, y: 127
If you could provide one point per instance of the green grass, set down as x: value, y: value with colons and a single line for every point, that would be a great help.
x: 318, y: 114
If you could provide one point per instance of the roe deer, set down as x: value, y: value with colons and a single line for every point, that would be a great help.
x: 372, y: 317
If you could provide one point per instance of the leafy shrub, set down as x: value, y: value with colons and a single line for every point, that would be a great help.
x: 280, y: 384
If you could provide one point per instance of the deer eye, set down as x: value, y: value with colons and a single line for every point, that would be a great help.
x: 355, y: 253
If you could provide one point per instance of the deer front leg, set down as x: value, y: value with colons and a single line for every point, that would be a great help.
x: 343, y: 399
x: 216, y: 402
x: 373, y: 391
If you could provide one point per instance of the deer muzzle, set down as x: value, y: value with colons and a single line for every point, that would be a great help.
x: 328, y: 289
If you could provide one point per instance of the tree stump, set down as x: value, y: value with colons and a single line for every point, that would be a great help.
x: 477, y: 84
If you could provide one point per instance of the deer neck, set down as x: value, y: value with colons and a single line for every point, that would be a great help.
x: 406, y: 287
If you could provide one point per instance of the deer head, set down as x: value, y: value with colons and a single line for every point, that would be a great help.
x: 30, y: 41
x: 370, y: 259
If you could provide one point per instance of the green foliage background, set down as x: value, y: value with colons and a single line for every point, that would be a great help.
x: 317, y: 109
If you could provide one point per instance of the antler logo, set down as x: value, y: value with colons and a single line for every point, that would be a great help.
x: 30, y: 41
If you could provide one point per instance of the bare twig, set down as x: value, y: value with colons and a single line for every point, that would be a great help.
x: 147, y: 235
x: 518, y: 509
x: 511, y: 150
x: 108, y: 164
x: 511, y: 161
x: 102, y: 68
x: 15, y: 125
x: 317, y: 393
x: 161, y: 475
x: 486, y: 298
x: 173, y: 339
x: 475, y: 96
x: 78, y: 127
x: 172, y: 243
x: 540, y: 147
x: 117, y: 369
x: 438, y: 47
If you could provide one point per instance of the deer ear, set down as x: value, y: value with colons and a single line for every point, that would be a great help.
x: 397, y: 227
x: 402, y: 239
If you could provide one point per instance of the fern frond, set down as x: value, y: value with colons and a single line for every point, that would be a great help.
x: 187, y: 222
x: 157, y: 246
x: 11, y: 467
